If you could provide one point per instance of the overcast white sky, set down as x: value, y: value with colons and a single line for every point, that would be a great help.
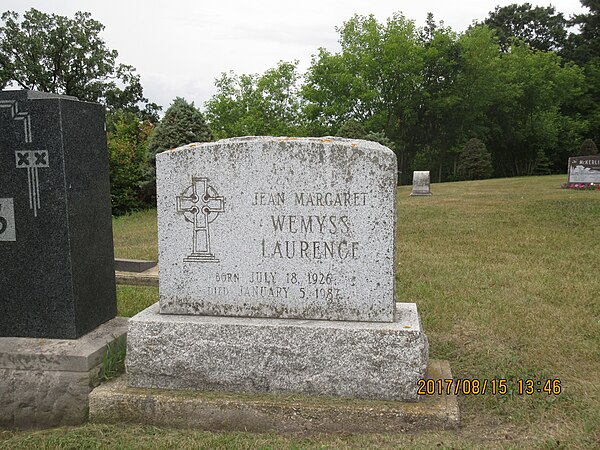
x: 179, y: 47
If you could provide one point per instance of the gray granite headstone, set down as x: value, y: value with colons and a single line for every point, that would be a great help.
x: 56, y: 249
x: 584, y: 169
x: 259, y: 234
x: 275, y: 227
x: 420, y: 183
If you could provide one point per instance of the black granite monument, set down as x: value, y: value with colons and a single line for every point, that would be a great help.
x: 56, y: 250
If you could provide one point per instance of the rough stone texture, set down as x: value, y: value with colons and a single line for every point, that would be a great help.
x: 278, y: 227
x: 46, y: 382
x: 38, y: 398
x: 584, y: 169
x: 420, y: 183
x: 347, y: 359
x: 56, y: 271
x: 115, y: 402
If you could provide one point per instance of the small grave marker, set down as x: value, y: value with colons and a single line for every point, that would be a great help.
x: 420, y: 183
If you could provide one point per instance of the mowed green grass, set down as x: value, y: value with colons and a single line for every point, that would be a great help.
x: 506, y: 276
x: 135, y: 236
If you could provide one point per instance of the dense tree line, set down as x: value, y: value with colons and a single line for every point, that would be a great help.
x: 519, y: 82
x: 516, y: 94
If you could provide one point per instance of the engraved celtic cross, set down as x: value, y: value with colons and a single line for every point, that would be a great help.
x: 200, y: 204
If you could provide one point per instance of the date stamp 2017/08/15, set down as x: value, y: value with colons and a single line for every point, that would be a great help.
x: 494, y: 386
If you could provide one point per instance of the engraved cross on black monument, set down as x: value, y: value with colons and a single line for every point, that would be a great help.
x: 200, y: 204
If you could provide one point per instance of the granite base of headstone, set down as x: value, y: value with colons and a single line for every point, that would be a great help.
x: 368, y: 360
x: 47, y: 382
x: 421, y: 183
x: 57, y: 280
x: 277, y: 261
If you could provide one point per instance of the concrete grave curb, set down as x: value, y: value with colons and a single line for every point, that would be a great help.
x: 115, y: 402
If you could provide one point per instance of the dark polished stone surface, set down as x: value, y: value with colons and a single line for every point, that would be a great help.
x: 56, y: 252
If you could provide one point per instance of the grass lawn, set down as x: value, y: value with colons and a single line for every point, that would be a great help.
x: 506, y: 275
x: 135, y: 236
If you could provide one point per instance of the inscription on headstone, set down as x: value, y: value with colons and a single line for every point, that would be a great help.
x: 420, y: 183
x: 56, y: 264
x: 275, y: 227
x: 584, y: 169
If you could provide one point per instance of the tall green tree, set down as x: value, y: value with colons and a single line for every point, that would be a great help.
x: 53, y: 53
x: 127, y: 140
x: 529, y: 115
x: 373, y: 80
x: 585, y: 42
x: 182, y: 124
x: 438, y: 127
x: 542, y: 28
x: 425, y: 89
x: 475, y: 161
x: 266, y: 104
x: 584, y: 49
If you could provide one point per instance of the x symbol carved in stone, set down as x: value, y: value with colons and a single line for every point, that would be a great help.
x: 40, y: 158
x: 23, y: 159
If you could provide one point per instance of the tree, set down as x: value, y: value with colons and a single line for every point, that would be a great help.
x: 588, y: 147
x: 182, y: 124
x: 53, y: 53
x: 352, y: 130
x: 127, y: 141
x: 423, y: 88
x: 585, y: 45
x: 373, y: 80
x: 542, y: 28
x: 380, y: 137
x: 266, y: 104
x: 530, y: 114
x: 542, y: 164
x: 584, y: 49
x: 439, y: 128
x: 475, y: 162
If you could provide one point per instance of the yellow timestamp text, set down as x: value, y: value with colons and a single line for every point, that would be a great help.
x: 493, y: 386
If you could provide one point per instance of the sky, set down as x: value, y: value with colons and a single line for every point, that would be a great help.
x: 179, y: 47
